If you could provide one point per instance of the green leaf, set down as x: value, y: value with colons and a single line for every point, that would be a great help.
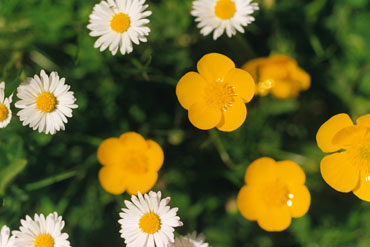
x: 8, y: 173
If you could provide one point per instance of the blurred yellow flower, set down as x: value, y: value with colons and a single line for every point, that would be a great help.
x: 348, y: 168
x: 274, y: 193
x: 130, y: 163
x: 279, y: 75
x: 216, y: 96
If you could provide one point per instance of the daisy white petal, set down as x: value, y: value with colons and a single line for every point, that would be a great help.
x: 145, y: 221
x: 5, y: 239
x: 41, y: 232
x: 219, y: 16
x: 45, y: 102
x: 190, y: 240
x: 118, y: 24
x: 5, y: 112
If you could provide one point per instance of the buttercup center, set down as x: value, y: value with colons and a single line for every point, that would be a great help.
x: 120, y: 22
x: 220, y: 95
x: 3, y: 112
x: 136, y: 163
x: 225, y: 9
x: 46, y: 102
x: 276, y: 194
x: 44, y: 240
x: 150, y: 223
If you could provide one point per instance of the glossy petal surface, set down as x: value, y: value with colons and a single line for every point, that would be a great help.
x: 204, y: 117
x: 109, y: 152
x: 214, y: 66
x: 329, y: 129
x: 233, y: 117
x: 339, y: 172
x: 190, y: 89
x: 112, y: 179
x: 243, y: 82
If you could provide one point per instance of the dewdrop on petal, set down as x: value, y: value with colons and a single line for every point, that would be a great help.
x: 219, y: 16
x: 118, y: 24
x: 45, y: 102
x: 148, y: 221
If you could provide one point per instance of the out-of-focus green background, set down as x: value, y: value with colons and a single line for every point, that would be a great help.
x: 203, y: 170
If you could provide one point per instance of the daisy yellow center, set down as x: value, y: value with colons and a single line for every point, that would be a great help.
x: 276, y: 194
x: 136, y: 163
x: 219, y: 95
x: 150, y: 223
x: 46, y: 102
x: 225, y: 9
x: 120, y: 22
x: 44, y: 240
x: 3, y: 112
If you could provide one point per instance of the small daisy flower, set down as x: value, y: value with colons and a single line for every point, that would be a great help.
x: 148, y: 221
x: 5, y: 112
x: 41, y: 232
x: 118, y: 24
x: 5, y: 239
x: 218, y: 16
x: 45, y: 102
x: 190, y: 240
x: 274, y: 193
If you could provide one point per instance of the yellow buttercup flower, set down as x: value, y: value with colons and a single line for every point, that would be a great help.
x: 216, y: 96
x: 348, y: 167
x: 130, y: 163
x: 279, y: 75
x: 274, y: 193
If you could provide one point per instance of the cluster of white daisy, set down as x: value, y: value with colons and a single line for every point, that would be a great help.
x: 147, y: 221
x: 119, y: 23
x: 45, y: 102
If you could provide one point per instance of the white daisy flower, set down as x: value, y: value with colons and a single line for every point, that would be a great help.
x: 148, y: 221
x: 45, y: 102
x: 5, y: 239
x: 190, y: 240
x: 221, y: 15
x: 118, y: 24
x: 5, y: 112
x: 41, y: 232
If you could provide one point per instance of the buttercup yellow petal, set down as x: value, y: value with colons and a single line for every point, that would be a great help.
x: 275, y: 219
x: 327, y: 131
x: 133, y: 141
x: 112, y: 180
x: 204, y: 117
x: 349, y: 136
x: 290, y: 172
x: 155, y: 155
x: 190, y: 89
x: 233, y: 117
x: 362, y: 189
x: 109, y: 152
x: 243, y: 82
x: 303, y: 77
x: 281, y: 58
x: 300, y: 200
x: 364, y: 120
x: 142, y: 183
x: 273, y: 71
x: 260, y: 171
x: 214, y: 66
x: 249, y: 203
x: 339, y: 172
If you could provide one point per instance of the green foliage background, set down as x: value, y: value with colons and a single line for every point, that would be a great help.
x: 203, y: 171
